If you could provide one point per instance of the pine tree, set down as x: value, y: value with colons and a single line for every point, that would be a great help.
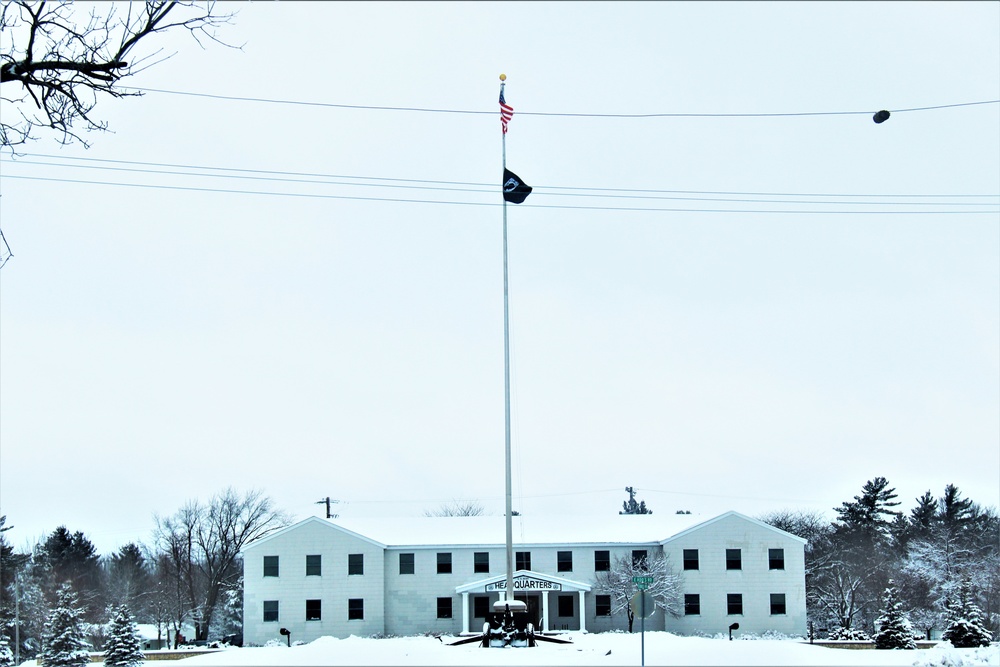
x: 893, y: 629
x: 63, y: 641
x: 965, y: 621
x: 123, y: 648
x: 6, y: 655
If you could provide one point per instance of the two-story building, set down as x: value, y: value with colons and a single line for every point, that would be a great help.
x: 414, y: 575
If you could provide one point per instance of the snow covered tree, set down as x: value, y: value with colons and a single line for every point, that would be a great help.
x: 617, y: 582
x: 630, y: 506
x: 124, y: 648
x: 6, y: 655
x: 63, y: 642
x: 893, y: 628
x: 965, y: 622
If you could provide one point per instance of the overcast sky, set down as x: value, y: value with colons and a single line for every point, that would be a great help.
x: 835, y: 318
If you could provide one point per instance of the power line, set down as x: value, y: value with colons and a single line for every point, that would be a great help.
x: 369, y: 107
x: 493, y: 204
x: 574, y: 191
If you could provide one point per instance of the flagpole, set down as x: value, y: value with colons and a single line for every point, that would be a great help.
x: 506, y: 384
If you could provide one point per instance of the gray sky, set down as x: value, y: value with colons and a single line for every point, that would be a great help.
x: 158, y: 344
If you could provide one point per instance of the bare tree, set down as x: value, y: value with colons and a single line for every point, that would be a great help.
x: 617, y: 582
x: 65, y: 61
x: 458, y: 508
x: 202, y: 544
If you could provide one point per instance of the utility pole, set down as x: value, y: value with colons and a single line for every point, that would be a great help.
x: 327, y: 502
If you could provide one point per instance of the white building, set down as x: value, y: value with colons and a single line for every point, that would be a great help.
x: 342, y: 577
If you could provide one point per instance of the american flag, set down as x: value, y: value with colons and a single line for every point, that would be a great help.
x: 506, y: 112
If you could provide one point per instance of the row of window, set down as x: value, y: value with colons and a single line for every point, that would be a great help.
x: 564, y: 561
x: 734, y: 604
x: 565, y: 606
x: 356, y: 608
x: 314, y: 610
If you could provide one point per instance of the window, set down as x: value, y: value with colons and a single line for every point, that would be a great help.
x: 692, y: 604
x: 565, y: 605
x: 406, y: 563
x: 270, y: 566
x: 639, y: 558
x: 444, y: 607
x: 444, y: 563
x: 314, y: 566
x: 602, y: 561
x: 480, y: 606
x: 776, y: 559
x: 734, y: 559
x: 564, y: 561
x: 602, y: 605
x: 734, y: 603
x: 355, y: 564
x: 355, y: 609
x: 270, y: 611
x: 522, y: 560
x: 481, y: 561
x: 314, y: 610
x: 690, y: 559
x: 777, y: 604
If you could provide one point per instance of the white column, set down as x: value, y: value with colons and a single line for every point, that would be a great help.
x: 465, y: 612
x: 583, y: 611
x: 545, y: 611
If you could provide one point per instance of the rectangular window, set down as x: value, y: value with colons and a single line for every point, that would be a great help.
x: 734, y: 604
x: 480, y: 606
x: 270, y: 611
x: 444, y: 607
x: 444, y: 563
x: 564, y: 561
x: 314, y: 610
x: 602, y: 561
x: 355, y: 564
x: 777, y: 604
x: 692, y: 604
x: 776, y: 559
x: 639, y: 558
x: 481, y: 561
x: 314, y: 566
x: 406, y: 563
x: 690, y: 559
x: 355, y: 609
x: 602, y: 605
x: 522, y: 560
x: 270, y: 566
x: 734, y: 559
x: 565, y: 606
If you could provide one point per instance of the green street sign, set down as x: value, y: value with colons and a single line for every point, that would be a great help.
x: 642, y: 582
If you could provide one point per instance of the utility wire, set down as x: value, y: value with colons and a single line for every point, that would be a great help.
x: 368, y: 107
x: 492, y: 204
x: 489, y: 187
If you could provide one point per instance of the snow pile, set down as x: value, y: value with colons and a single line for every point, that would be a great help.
x: 946, y: 655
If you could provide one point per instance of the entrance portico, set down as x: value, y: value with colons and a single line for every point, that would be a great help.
x: 528, y: 585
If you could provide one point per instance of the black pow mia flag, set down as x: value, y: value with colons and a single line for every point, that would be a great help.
x: 514, y: 189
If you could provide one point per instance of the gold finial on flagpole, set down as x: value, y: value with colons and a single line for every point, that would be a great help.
x: 503, y: 77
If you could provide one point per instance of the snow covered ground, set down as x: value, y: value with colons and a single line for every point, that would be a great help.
x: 589, y: 649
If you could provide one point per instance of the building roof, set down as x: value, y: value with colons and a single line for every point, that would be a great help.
x: 490, y: 531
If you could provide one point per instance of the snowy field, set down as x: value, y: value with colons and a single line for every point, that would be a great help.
x: 588, y: 649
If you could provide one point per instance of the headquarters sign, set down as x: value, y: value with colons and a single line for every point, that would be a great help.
x: 525, y: 584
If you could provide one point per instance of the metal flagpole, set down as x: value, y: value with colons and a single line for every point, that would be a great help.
x: 506, y: 384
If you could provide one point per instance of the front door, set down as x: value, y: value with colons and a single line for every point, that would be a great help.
x: 533, y: 600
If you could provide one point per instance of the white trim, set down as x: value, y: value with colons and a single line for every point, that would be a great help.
x: 567, y: 584
x: 756, y: 522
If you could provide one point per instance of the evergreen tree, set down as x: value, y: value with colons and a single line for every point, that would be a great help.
x: 965, y: 622
x: 124, y: 648
x: 893, y: 629
x: 6, y: 655
x: 63, y: 642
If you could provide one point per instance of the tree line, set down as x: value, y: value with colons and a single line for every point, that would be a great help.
x: 189, y: 576
x: 942, y: 554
